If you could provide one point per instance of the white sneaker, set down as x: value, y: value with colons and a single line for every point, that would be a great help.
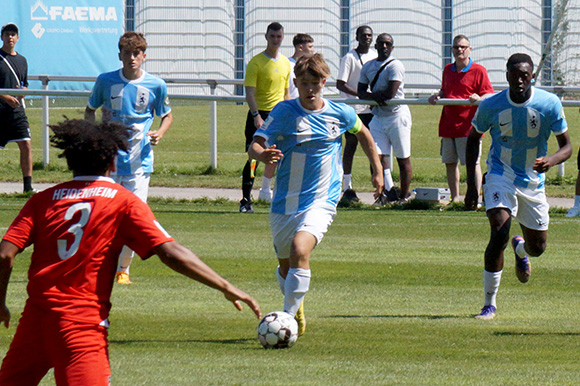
x: 573, y: 212
x: 265, y: 195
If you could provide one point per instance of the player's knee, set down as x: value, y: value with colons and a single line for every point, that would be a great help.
x: 300, y: 255
x: 536, y: 248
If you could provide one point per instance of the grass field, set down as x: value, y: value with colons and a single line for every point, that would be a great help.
x: 391, y: 303
x: 182, y: 158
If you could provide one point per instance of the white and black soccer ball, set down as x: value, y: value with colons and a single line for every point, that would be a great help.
x: 278, y: 330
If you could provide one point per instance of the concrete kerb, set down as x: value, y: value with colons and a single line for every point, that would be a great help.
x: 230, y: 194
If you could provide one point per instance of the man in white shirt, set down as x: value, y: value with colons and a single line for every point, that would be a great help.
x: 303, y: 44
x: 347, y: 82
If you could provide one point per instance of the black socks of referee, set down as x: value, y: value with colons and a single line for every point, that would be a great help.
x: 247, y: 181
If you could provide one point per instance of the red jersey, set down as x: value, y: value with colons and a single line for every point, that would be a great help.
x: 456, y: 120
x: 78, y: 229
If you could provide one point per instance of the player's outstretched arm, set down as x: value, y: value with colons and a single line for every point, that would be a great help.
x: 471, y: 154
x: 184, y: 261
x: 368, y: 145
x: 7, y: 253
x: 259, y: 151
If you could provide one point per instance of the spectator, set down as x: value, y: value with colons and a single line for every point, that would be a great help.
x: 462, y: 79
x: 382, y: 79
x: 13, y: 120
x: 347, y: 82
x: 575, y: 210
x: 303, y: 44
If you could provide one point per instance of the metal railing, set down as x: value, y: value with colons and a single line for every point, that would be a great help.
x: 45, y: 93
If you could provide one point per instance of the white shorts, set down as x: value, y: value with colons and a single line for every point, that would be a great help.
x: 393, y: 130
x: 136, y: 183
x: 529, y: 206
x: 285, y: 226
x: 453, y: 150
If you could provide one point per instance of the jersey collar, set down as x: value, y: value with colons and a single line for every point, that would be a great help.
x: 524, y: 102
x: 93, y: 178
x: 139, y: 79
x: 465, y: 69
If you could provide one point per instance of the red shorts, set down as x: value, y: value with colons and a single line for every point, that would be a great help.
x: 78, y: 352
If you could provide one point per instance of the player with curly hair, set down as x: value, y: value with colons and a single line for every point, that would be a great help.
x: 78, y: 229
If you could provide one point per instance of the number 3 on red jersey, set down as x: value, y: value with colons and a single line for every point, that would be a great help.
x: 76, y: 229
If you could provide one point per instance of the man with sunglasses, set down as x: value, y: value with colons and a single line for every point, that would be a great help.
x: 462, y: 79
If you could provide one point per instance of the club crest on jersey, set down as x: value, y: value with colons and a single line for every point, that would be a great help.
x: 334, y: 130
x: 142, y: 99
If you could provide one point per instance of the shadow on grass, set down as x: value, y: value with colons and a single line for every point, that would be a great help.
x: 397, y: 316
x: 174, y: 341
x: 520, y: 333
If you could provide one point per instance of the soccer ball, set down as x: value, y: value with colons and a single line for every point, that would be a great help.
x: 278, y: 330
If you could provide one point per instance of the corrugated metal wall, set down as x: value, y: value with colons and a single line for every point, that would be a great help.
x: 500, y: 29
x: 195, y: 39
x: 188, y: 39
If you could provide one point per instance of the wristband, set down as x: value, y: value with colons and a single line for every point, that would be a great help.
x: 254, y: 113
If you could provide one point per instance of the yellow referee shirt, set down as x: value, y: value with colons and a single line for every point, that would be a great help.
x: 270, y: 78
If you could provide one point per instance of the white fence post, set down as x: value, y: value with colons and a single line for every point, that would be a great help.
x: 212, y: 125
x: 45, y: 123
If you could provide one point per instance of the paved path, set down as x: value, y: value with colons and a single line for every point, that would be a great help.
x: 230, y: 194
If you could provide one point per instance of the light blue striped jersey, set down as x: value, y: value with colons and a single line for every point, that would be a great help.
x: 310, y: 172
x: 519, y: 133
x: 132, y: 103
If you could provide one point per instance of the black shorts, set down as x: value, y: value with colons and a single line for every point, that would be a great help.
x: 365, y: 118
x: 578, y: 160
x: 13, y: 126
x: 250, y: 128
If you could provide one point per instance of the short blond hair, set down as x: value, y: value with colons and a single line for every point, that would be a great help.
x: 314, y: 64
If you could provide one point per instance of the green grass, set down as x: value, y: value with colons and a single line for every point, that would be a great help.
x: 182, y: 158
x: 391, y: 303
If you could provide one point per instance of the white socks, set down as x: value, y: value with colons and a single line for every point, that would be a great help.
x: 281, y: 280
x: 125, y: 259
x: 490, y: 286
x: 346, y: 182
x: 520, y: 249
x: 266, y: 183
x: 296, y: 286
x: 388, y: 179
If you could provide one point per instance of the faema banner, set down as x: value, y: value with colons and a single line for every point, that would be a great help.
x: 65, y: 37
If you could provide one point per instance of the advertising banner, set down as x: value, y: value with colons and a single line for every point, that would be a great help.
x: 69, y: 38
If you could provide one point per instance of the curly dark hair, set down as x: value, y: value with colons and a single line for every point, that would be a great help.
x: 89, y: 148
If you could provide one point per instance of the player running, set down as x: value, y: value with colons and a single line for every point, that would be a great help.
x: 304, y: 136
x: 78, y: 229
x: 131, y: 96
x: 520, y: 121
